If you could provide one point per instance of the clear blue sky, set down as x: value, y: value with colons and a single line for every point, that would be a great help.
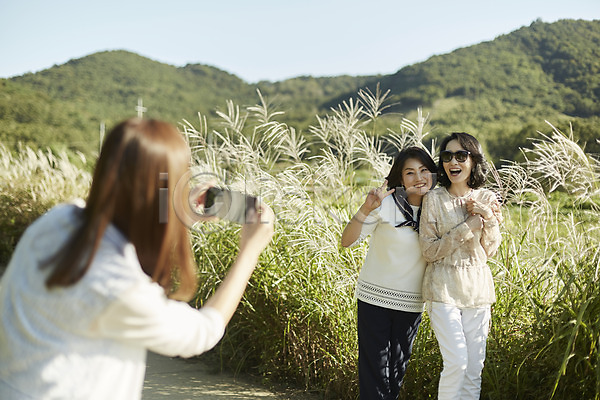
x: 265, y: 39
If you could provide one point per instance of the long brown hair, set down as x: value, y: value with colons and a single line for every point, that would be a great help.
x: 140, y: 162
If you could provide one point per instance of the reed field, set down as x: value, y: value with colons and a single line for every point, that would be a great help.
x: 32, y: 181
x: 297, y: 318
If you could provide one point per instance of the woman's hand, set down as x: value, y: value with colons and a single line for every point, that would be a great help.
x: 475, y: 222
x: 476, y: 207
x: 375, y: 197
x: 352, y: 230
x: 257, y: 232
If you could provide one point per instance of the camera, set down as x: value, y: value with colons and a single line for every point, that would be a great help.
x: 229, y: 205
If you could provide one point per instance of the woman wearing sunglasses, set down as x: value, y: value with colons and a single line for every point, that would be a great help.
x: 459, y: 231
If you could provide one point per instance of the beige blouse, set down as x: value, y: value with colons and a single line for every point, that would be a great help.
x: 457, y: 272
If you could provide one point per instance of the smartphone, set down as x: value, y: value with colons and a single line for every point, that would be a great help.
x: 230, y: 205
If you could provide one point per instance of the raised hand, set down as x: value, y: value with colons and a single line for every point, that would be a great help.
x: 259, y: 229
x: 376, y: 196
x: 373, y: 200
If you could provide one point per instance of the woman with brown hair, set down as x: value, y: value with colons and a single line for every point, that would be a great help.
x: 91, y: 287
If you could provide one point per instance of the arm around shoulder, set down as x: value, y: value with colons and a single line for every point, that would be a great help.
x: 491, y: 236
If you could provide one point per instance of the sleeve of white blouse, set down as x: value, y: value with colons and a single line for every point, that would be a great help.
x: 491, y: 236
x: 368, y: 226
x: 145, y: 316
x: 434, y: 245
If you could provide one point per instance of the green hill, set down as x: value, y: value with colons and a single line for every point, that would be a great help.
x: 501, y: 91
x: 64, y: 105
x: 75, y: 97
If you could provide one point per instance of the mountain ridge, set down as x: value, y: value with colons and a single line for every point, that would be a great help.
x: 501, y: 90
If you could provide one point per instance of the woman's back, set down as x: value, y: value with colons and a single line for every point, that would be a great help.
x: 48, y: 345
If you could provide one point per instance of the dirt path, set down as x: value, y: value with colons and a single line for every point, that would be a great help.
x: 181, y: 379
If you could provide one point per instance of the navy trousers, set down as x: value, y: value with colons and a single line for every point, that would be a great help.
x: 385, y: 340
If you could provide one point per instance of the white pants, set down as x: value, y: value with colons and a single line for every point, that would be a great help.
x: 462, y: 335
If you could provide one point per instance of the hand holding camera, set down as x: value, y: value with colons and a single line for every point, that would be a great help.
x: 227, y: 204
x: 257, y: 218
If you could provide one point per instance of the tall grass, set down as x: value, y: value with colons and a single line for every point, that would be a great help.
x: 31, y: 182
x: 298, y: 316
x: 546, y: 322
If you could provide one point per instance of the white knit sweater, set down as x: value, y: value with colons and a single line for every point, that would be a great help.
x: 392, y: 273
x: 89, y: 340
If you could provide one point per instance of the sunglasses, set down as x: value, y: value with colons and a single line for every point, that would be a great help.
x: 461, y: 155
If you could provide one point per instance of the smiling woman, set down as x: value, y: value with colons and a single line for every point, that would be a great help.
x: 462, y: 163
x: 389, y: 284
x: 459, y: 231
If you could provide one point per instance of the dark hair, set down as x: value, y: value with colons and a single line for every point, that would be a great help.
x: 139, y: 158
x: 480, y: 167
x: 394, y: 178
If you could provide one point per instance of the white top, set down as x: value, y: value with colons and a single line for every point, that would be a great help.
x: 457, y: 272
x: 392, y: 273
x: 89, y: 340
